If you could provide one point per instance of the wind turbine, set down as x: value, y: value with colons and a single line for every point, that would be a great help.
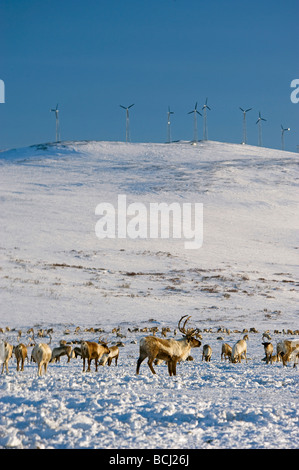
x: 205, y: 126
x: 195, y: 112
x: 259, y: 122
x: 127, y: 121
x: 56, y: 111
x: 244, y: 111
x: 168, y: 125
x: 283, y: 130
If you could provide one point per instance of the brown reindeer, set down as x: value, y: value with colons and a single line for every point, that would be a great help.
x: 91, y: 350
x: 226, y: 351
x: 169, y: 350
x: 108, y: 357
x: 268, y: 347
x: 21, y: 354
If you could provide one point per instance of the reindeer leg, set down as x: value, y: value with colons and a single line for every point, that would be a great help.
x: 174, y: 366
x: 140, y: 360
x: 150, y: 364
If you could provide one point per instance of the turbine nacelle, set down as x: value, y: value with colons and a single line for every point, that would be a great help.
x: 56, y: 110
x: 260, y: 118
x: 206, y: 105
x: 195, y: 110
x: 126, y: 108
x: 245, y: 110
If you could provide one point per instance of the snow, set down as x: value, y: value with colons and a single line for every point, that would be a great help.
x: 55, y: 273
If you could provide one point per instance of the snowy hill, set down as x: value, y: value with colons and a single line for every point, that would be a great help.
x: 55, y: 272
x: 49, y: 194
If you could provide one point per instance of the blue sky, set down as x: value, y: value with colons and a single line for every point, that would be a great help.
x: 91, y: 56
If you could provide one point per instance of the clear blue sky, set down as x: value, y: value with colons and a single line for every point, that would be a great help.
x: 90, y: 56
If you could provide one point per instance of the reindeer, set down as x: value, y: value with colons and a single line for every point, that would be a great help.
x: 206, y: 353
x: 108, y: 357
x: 21, y: 354
x: 169, y: 350
x: 8, y: 349
x: 77, y: 351
x: 239, y: 351
x: 41, y: 354
x: 286, y: 349
x: 62, y: 350
x: 226, y: 351
x: 268, y: 347
x: 91, y: 350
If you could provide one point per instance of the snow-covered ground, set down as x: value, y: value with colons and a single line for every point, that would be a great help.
x: 55, y: 273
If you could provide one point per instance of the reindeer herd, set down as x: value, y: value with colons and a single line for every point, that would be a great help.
x: 152, y: 348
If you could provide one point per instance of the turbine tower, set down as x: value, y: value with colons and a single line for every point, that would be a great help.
x: 259, y: 122
x: 205, y: 126
x: 283, y: 130
x: 244, y: 111
x: 168, y: 125
x: 56, y: 111
x: 127, y: 121
x: 195, y: 112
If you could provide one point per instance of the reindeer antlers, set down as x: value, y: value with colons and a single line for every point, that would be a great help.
x: 191, y: 331
x: 182, y: 329
x: 103, y: 341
